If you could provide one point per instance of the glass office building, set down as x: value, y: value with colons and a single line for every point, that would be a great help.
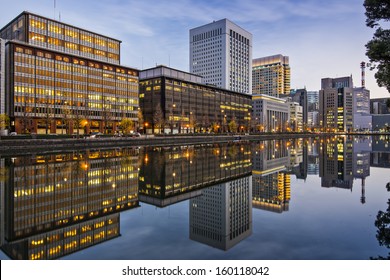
x: 174, y: 101
x: 63, y: 79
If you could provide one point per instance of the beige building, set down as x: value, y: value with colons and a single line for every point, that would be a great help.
x: 57, y: 78
x: 271, y: 75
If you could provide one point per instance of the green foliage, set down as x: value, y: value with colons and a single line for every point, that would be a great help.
x: 126, y: 125
x: 378, y: 48
x: 4, y: 121
x: 376, y: 10
x: 233, y: 126
x: 382, y: 223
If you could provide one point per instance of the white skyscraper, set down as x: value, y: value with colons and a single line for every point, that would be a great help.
x: 221, y: 52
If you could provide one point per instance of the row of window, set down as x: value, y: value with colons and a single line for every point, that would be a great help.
x: 61, y: 29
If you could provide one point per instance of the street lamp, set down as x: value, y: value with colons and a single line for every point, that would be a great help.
x: 146, y: 130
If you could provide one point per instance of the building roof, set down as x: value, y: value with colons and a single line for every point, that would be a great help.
x: 60, y: 22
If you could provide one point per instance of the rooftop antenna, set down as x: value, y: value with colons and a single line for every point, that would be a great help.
x: 54, y: 9
x: 363, y: 68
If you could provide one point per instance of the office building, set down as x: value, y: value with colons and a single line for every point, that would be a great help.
x: 336, y: 104
x: 312, y: 109
x: 362, y: 119
x: 296, y: 117
x: 270, y: 114
x: 271, y: 75
x: 63, y: 79
x: 301, y: 97
x: 380, y: 106
x: 174, y: 101
x: 221, y: 52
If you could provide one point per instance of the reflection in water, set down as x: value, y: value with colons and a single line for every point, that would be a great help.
x: 59, y: 204
x: 170, y: 175
x: 271, y: 181
x: 56, y: 204
x: 222, y: 215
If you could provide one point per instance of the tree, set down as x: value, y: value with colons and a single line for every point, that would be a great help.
x: 233, y: 125
x: 158, y: 118
x: 107, y: 116
x: 382, y: 224
x: 140, y: 117
x: 126, y: 125
x: 48, y: 116
x: 378, y: 48
x: 4, y: 121
x: 388, y: 104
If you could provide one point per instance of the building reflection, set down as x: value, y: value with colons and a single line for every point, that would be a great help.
x: 380, y: 156
x: 221, y: 216
x: 336, y: 167
x: 57, y: 204
x: 173, y: 174
x: 271, y: 180
x: 362, y: 148
x: 313, y: 163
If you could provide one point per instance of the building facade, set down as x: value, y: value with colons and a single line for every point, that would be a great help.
x: 296, y: 117
x: 301, y: 97
x: 312, y: 108
x: 63, y: 79
x: 221, y: 52
x: 380, y: 106
x: 174, y: 101
x: 336, y: 104
x: 270, y: 114
x: 271, y: 75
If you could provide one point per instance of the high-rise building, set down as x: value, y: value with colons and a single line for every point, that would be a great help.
x: 312, y: 108
x: 221, y: 52
x: 301, y: 97
x: 59, y: 78
x: 362, y: 119
x: 271, y: 75
x: 336, y: 104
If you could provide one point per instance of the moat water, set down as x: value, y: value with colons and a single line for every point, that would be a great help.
x: 301, y: 199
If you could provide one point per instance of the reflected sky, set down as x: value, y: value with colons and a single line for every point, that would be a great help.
x: 266, y: 195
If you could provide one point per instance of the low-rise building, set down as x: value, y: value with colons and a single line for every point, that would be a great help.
x: 174, y: 101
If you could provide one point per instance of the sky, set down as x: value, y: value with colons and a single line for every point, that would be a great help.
x: 322, y: 38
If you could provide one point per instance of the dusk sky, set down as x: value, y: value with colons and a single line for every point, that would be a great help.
x: 323, y: 38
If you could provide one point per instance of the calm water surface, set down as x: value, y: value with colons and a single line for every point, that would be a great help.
x: 280, y: 199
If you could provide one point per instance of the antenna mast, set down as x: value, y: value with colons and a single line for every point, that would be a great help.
x: 363, y: 68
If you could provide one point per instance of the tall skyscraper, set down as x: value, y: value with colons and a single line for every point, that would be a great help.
x: 271, y: 75
x: 336, y: 104
x: 362, y: 119
x: 221, y: 52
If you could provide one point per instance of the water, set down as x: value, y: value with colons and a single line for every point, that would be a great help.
x: 280, y: 199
